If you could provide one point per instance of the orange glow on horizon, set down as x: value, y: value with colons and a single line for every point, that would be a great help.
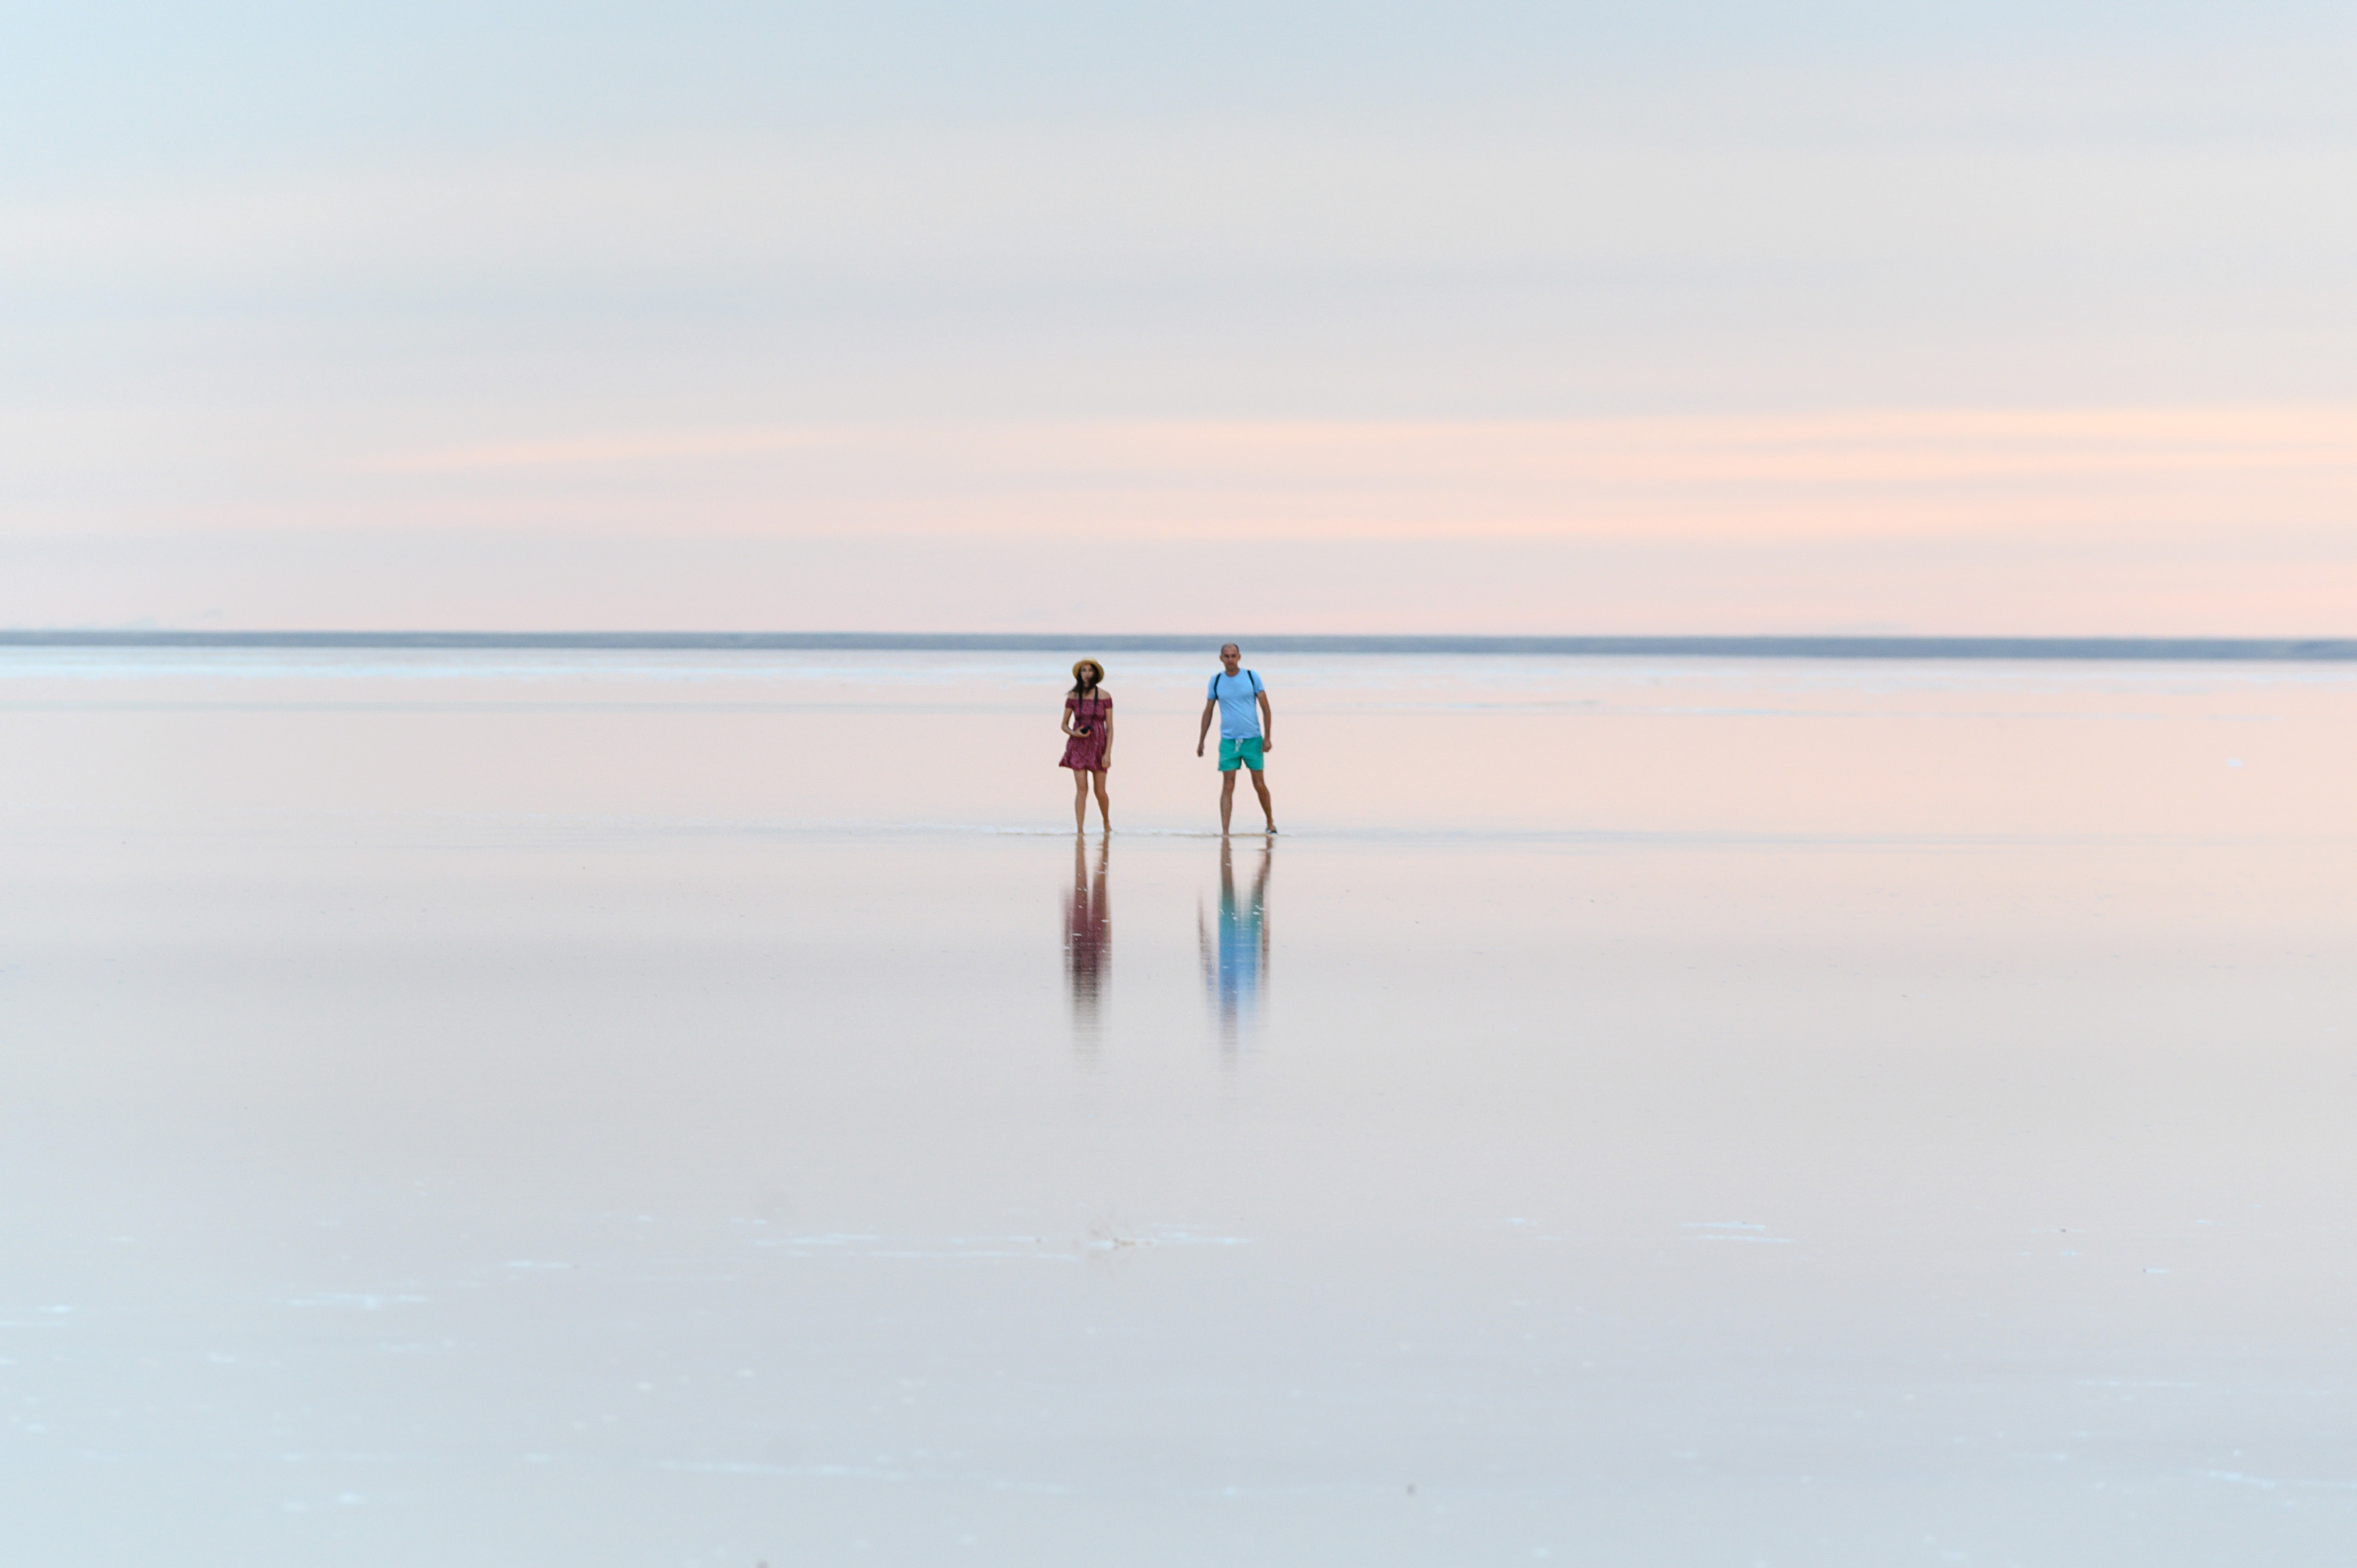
x: 1879, y: 474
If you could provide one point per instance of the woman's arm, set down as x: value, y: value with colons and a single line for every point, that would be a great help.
x: 1068, y: 715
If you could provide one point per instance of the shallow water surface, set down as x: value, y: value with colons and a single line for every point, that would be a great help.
x: 706, y: 1109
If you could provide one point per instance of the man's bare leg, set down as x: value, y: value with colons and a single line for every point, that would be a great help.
x: 1227, y: 798
x: 1260, y: 788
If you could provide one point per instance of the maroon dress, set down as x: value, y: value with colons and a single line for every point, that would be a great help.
x: 1086, y: 752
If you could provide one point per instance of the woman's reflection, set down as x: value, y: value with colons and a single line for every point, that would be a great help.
x: 1235, y: 959
x: 1088, y: 940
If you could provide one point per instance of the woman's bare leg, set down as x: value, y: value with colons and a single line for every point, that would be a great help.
x: 1105, y: 806
x: 1080, y: 800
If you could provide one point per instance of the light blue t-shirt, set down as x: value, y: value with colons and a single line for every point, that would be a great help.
x: 1239, y: 715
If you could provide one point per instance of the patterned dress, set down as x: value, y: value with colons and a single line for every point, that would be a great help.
x: 1086, y: 752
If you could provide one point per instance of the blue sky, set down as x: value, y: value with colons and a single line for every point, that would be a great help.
x: 255, y: 259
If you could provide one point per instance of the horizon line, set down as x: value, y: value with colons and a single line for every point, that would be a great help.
x: 2205, y: 650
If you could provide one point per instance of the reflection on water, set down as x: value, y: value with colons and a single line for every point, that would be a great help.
x: 528, y: 1110
x: 1236, y: 956
x: 1088, y: 940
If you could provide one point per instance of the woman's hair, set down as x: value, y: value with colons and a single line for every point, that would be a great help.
x: 1080, y: 686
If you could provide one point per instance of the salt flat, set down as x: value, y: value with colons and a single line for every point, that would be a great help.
x: 698, y: 1108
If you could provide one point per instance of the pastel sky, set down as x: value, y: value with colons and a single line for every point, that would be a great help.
x: 1474, y: 316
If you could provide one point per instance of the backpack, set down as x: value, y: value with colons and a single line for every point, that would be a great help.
x: 1223, y: 675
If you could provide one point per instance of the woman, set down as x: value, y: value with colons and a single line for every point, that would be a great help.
x: 1088, y: 719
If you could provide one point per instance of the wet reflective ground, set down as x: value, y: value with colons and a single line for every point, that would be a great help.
x: 604, y: 1110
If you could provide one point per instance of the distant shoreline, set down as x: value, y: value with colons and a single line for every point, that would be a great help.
x: 2199, y: 650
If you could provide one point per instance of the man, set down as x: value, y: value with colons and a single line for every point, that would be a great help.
x: 1246, y: 731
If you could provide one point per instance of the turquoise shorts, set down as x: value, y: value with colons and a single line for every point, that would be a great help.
x: 1244, y: 753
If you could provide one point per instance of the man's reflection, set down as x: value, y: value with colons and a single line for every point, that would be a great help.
x: 1235, y: 957
x: 1088, y: 940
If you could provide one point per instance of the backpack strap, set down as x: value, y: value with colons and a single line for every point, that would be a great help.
x: 1250, y: 675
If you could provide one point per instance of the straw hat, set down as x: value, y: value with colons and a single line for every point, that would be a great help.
x: 1090, y: 664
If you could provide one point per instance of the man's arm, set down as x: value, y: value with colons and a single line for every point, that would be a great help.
x: 1211, y: 706
x: 1267, y: 725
